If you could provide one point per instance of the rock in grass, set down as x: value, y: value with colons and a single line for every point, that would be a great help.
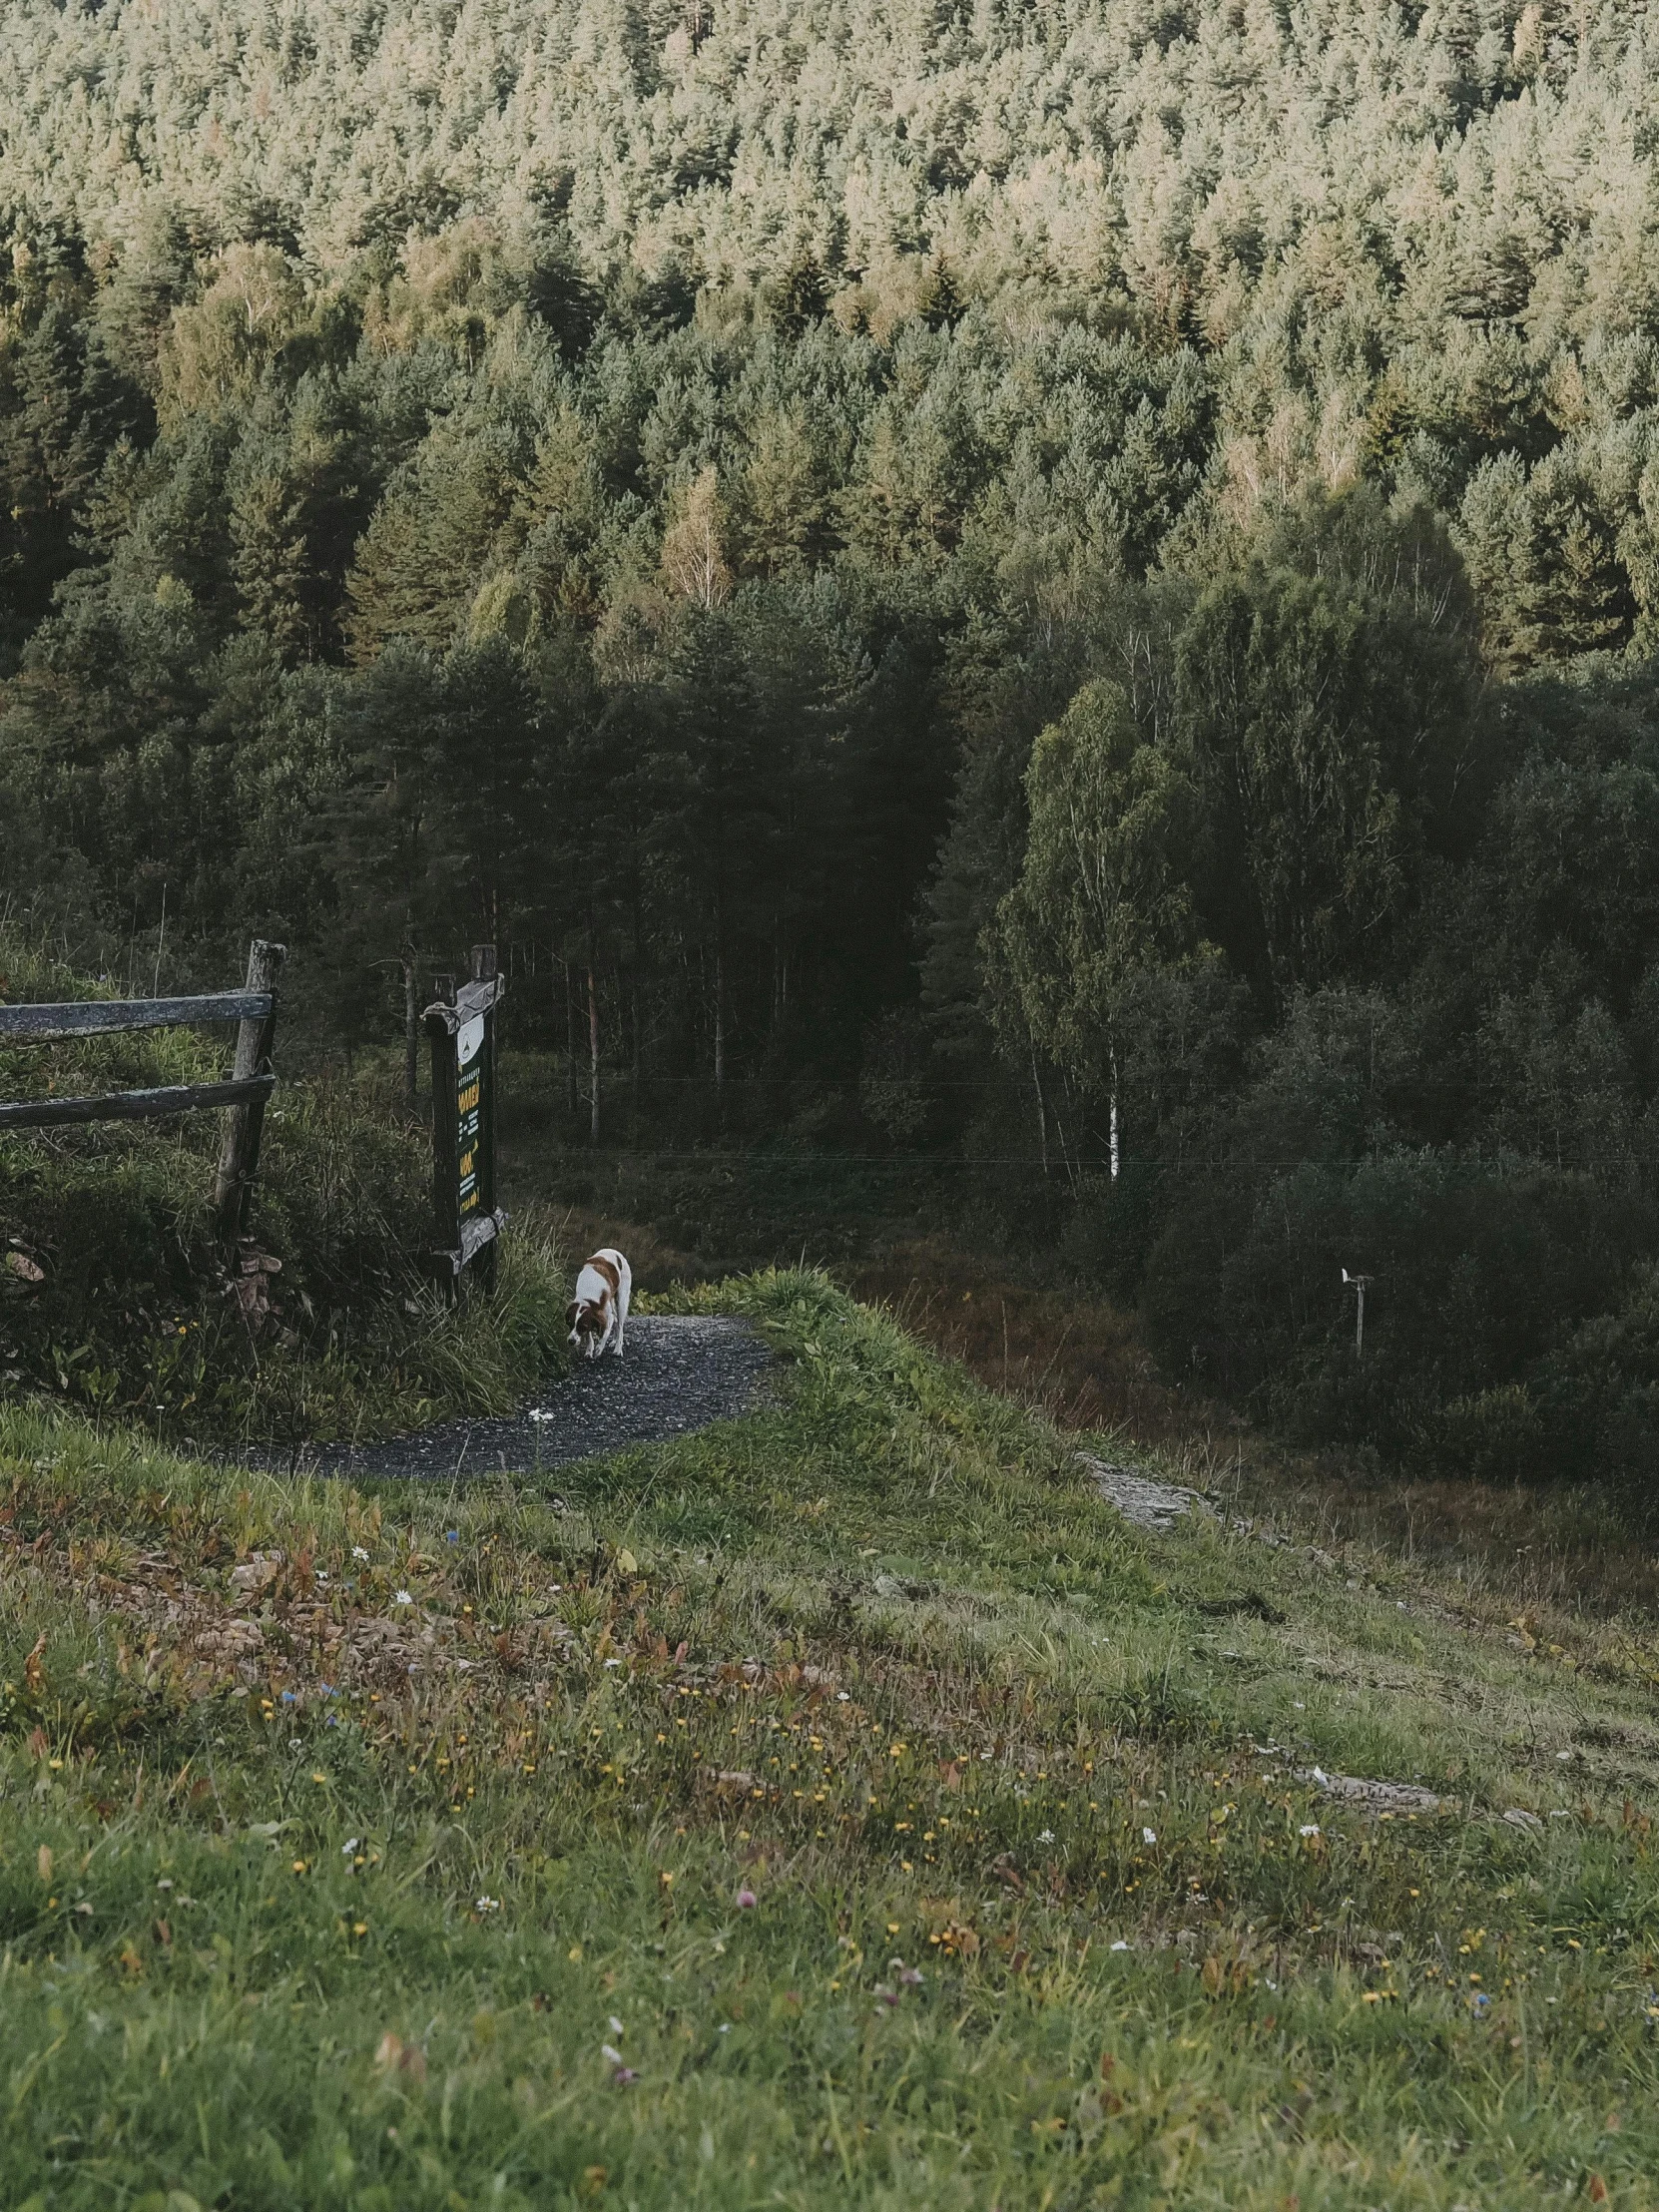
x: 1142, y: 1502
x: 1519, y: 1817
x: 1373, y: 1797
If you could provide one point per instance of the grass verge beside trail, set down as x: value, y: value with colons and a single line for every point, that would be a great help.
x: 840, y: 1807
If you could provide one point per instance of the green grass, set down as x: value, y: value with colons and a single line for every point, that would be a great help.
x: 285, y: 1924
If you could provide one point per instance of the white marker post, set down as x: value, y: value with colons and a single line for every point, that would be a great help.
x: 1357, y: 1283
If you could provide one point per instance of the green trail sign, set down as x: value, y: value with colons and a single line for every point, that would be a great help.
x: 466, y: 1218
x: 469, y: 1113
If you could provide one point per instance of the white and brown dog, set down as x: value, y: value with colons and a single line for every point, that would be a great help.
x: 598, y: 1314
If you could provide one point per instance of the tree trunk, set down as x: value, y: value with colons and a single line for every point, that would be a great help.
x: 720, y: 1017
x: 1112, y: 1140
x: 570, y: 1043
x: 1042, y: 1112
x: 634, y: 994
x: 593, y: 1056
x: 411, y: 1031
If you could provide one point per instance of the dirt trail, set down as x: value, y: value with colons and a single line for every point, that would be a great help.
x: 680, y: 1374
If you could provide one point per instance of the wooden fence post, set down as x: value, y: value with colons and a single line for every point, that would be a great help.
x: 238, y: 1156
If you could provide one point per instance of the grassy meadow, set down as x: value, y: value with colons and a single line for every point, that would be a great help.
x: 840, y: 1807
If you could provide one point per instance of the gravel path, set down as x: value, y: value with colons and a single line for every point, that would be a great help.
x: 680, y: 1372
x: 1148, y: 1504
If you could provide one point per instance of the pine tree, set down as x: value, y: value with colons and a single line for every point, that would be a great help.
x: 428, y: 545
x: 801, y: 297
x: 780, y: 498
x: 270, y: 564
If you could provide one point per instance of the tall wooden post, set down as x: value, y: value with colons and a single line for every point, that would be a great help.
x: 411, y: 1030
x: 238, y: 1154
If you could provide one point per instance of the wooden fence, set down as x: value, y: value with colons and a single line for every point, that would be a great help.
x: 254, y: 1009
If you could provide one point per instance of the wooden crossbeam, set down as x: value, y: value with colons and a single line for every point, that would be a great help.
x: 98, y: 1017
x: 180, y: 1098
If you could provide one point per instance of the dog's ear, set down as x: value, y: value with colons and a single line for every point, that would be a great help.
x: 571, y: 1311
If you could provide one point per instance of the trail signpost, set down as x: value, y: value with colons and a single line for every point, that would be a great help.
x: 466, y: 1219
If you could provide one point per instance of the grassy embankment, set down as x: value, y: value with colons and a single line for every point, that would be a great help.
x: 1545, y: 1554
x: 114, y: 1298
x: 839, y: 1807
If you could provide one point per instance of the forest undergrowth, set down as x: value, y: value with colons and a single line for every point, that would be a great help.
x: 842, y: 1806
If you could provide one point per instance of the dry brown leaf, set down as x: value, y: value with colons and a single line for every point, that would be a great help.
x: 394, y: 2055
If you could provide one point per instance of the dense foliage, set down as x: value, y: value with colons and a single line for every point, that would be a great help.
x: 1072, y: 581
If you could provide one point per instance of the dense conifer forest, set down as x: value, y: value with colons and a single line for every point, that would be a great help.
x: 1065, y: 585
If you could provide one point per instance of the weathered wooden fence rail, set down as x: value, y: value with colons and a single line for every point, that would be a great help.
x: 251, y: 1083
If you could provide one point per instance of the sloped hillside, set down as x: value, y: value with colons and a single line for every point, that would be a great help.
x: 844, y: 1807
